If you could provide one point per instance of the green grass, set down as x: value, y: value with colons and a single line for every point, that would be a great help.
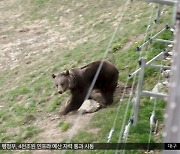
x: 54, y: 104
x: 64, y: 126
x: 32, y: 89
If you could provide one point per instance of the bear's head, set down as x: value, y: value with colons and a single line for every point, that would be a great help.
x: 62, y: 81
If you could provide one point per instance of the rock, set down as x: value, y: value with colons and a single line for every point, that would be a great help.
x: 89, y: 106
x: 49, y: 115
x: 134, y: 100
x: 29, y: 118
x: 16, y: 72
x: 55, y: 118
x: 167, y: 58
x: 166, y: 73
x: 170, y: 45
x: 4, y: 36
x: 1, y: 107
x: 28, y: 62
x: 170, y: 53
x: 24, y: 30
x: 157, y: 89
x: 165, y: 83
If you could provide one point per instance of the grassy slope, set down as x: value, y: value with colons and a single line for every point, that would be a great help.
x: 88, y: 27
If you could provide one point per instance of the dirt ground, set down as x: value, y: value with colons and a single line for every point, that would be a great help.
x: 22, y: 42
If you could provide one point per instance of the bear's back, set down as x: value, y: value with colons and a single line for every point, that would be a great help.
x: 107, y: 72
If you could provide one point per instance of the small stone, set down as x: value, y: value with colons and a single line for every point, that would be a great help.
x: 89, y: 106
x: 4, y: 36
x: 29, y: 118
x: 28, y: 62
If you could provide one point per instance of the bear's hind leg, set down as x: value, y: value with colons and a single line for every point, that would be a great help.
x: 108, y: 91
x: 108, y: 97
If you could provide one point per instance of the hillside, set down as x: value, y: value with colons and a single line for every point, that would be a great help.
x: 41, y: 37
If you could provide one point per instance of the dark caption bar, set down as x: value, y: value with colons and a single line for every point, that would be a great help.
x: 89, y: 146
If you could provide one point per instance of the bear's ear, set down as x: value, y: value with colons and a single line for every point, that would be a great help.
x: 53, y: 76
x: 67, y: 72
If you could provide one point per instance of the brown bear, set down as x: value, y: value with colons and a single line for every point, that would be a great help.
x: 78, y: 81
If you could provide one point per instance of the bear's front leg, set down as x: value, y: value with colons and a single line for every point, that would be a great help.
x: 70, y: 107
x: 75, y: 103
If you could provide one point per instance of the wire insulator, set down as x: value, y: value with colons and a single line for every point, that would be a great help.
x: 138, y: 49
x: 150, y: 40
x: 167, y: 27
x: 110, y: 135
x: 126, y: 131
x: 129, y: 75
x: 139, y: 62
x: 132, y: 120
x: 148, y: 26
x: 172, y: 30
x: 152, y: 119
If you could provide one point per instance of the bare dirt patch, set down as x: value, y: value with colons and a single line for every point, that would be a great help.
x: 24, y: 43
x: 53, y: 133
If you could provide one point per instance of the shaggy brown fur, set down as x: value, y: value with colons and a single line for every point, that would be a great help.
x: 78, y: 80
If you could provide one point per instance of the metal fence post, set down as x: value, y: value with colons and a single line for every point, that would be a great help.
x: 172, y: 122
x: 158, y: 13
x: 139, y: 90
